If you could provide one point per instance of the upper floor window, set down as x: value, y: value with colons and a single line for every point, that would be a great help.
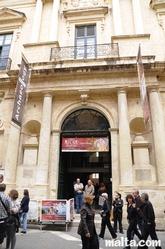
x: 85, y: 42
x: 5, y: 44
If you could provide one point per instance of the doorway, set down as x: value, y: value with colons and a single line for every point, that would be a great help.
x: 85, y: 152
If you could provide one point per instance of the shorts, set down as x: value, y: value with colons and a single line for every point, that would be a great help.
x: 2, y: 231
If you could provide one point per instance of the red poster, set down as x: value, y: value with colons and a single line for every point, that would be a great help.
x: 53, y: 210
x: 85, y: 144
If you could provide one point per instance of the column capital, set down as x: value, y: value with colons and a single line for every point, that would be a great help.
x: 121, y: 90
x: 153, y: 88
x: 48, y: 94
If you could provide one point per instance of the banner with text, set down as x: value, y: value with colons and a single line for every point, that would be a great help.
x: 142, y: 84
x: 85, y: 144
x: 20, y: 96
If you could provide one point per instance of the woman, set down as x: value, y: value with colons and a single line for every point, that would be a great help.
x: 105, y: 214
x: 25, y: 209
x: 101, y: 190
x: 13, y: 226
x: 132, y: 217
x: 87, y: 227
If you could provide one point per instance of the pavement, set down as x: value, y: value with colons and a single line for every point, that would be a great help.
x: 54, y: 236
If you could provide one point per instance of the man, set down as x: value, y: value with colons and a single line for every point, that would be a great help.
x: 78, y: 188
x: 89, y: 188
x: 139, y: 207
x: 149, y: 222
x: 3, y: 214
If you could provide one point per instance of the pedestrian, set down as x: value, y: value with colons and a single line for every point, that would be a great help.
x: 86, y: 228
x: 89, y: 188
x: 139, y: 207
x: 118, y: 212
x: 149, y: 222
x: 12, y: 227
x: 25, y: 208
x: 102, y: 189
x: 105, y: 214
x: 4, y: 200
x: 78, y: 188
x: 132, y: 218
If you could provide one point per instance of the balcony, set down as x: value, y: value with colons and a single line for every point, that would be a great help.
x: 5, y: 64
x: 109, y: 50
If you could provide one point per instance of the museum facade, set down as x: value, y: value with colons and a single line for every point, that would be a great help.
x: 83, y: 114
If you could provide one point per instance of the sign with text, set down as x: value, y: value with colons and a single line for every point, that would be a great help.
x: 85, y: 144
x: 20, y: 96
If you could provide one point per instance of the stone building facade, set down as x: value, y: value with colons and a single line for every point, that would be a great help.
x: 82, y: 55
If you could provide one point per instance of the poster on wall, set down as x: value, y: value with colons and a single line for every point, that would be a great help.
x: 53, y: 210
x: 85, y: 144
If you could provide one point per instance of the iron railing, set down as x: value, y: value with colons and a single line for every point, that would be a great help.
x: 85, y: 52
x: 5, y: 63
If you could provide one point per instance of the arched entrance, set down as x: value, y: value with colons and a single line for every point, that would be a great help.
x: 85, y: 151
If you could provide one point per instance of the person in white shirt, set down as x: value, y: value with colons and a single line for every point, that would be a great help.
x: 78, y: 188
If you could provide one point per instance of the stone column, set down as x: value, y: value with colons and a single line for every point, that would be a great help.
x: 54, y: 165
x: 44, y: 141
x: 37, y: 22
x: 137, y: 14
x: 53, y: 35
x: 158, y: 134
x: 12, y: 155
x: 124, y: 140
x: 115, y: 158
x: 117, y: 17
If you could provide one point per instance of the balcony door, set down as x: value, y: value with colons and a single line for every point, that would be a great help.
x: 85, y: 42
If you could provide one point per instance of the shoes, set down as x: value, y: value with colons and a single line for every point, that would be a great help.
x: 122, y: 232
x: 115, y: 238
x: 23, y: 232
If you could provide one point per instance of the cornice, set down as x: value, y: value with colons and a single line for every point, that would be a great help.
x: 157, y: 4
x: 85, y: 12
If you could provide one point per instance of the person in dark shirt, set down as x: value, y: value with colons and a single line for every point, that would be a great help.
x: 105, y: 214
x: 132, y: 217
x: 25, y: 208
x: 139, y: 207
x: 117, y: 209
x: 149, y: 222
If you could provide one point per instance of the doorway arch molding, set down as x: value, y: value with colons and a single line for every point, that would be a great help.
x: 110, y: 113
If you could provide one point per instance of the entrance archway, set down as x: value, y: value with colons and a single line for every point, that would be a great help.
x: 85, y: 151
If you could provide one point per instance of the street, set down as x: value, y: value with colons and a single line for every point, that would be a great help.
x: 51, y: 237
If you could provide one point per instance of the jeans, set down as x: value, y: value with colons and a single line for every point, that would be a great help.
x: 79, y: 202
x: 24, y: 218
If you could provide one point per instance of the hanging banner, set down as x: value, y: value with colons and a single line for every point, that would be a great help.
x: 20, y: 95
x: 142, y: 84
x: 85, y: 144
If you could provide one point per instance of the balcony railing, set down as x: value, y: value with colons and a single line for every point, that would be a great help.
x: 109, y: 50
x: 5, y: 63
